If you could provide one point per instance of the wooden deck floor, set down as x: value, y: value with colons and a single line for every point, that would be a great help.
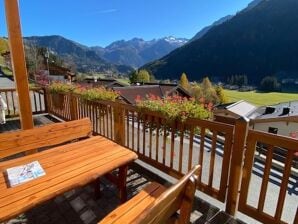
x: 80, y: 206
x: 14, y: 124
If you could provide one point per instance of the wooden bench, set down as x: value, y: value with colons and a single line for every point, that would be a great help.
x: 66, y: 165
x: 29, y: 141
x: 156, y: 204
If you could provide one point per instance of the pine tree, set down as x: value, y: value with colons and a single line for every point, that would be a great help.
x: 196, y: 92
x: 208, y: 91
x: 221, y: 95
x: 133, y: 77
x: 206, y: 85
x: 184, y: 81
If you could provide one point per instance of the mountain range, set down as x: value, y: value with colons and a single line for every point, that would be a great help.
x: 258, y: 41
x: 118, y: 57
x: 84, y: 58
x: 137, y: 52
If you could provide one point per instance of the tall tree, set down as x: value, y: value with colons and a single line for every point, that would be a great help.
x: 184, y: 81
x: 143, y: 76
x: 221, y: 95
x: 206, y: 85
x: 196, y: 91
x: 133, y: 76
x: 208, y: 91
x: 270, y: 83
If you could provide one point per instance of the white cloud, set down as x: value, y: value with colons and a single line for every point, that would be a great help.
x: 105, y: 11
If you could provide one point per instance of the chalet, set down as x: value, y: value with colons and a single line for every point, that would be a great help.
x: 130, y: 93
x: 230, y: 112
x: 279, y: 119
x: 60, y: 73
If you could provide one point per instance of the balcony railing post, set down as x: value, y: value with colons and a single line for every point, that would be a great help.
x: 45, y: 98
x: 296, y: 216
x: 73, y: 107
x: 119, y: 124
x: 240, y: 133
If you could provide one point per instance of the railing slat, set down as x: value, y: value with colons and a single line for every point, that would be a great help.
x: 172, y: 155
x: 212, y: 158
x: 164, y: 144
x: 190, y: 149
x: 13, y: 104
x: 127, y: 127
x: 201, y: 154
x: 265, y: 180
x: 138, y: 133
x: 150, y: 136
x: 181, y: 147
x: 284, y: 185
x: 157, y: 149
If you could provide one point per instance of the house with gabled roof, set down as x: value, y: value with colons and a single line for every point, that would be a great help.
x: 230, y: 112
x: 281, y: 119
x: 130, y: 93
x: 60, y: 73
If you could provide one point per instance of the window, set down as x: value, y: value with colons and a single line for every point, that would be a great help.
x: 272, y: 130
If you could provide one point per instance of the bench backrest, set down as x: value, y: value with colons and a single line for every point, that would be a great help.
x: 15, y: 142
x: 178, y: 197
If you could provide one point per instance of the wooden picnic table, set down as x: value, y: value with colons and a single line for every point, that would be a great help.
x: 67, y: 167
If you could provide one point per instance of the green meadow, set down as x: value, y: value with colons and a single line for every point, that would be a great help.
x: 259, y: 98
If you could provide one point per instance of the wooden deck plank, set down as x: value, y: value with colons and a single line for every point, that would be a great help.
x: 54, y: 166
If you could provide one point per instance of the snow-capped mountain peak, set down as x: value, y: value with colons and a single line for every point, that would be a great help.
x: 172, y: 39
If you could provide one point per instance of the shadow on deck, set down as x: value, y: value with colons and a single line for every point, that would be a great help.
x: 80, y: 206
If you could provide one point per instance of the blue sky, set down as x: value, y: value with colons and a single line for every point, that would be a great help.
x: 100, y: 22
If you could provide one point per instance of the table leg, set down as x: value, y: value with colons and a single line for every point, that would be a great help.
x: 96, y: 185
x: 122, y: 175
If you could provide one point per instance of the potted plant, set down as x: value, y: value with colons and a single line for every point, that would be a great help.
x: 58, y: 91
x: 174, y: 108
x: 96, y: 94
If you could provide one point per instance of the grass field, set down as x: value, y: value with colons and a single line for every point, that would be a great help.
x: 260, y: 99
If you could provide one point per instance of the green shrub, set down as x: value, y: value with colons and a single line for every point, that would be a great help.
x: 175, y: 108
x: 61, y: 87
x: 94, y: 94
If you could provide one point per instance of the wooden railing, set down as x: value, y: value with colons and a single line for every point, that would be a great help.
x: 174, y: 147
x: 268, y: 170
x: 36, y: 96
x: 171, y: 147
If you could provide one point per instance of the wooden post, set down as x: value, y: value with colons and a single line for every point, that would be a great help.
x: 119, y: 125
x: 18, y: 62
x: 240, y: 133
x: 46, y: 101
x: 73, y: 107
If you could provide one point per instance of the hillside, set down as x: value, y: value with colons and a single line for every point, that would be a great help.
x: 3, y: 48
x: 71, y: 52
x: 205, y: 30
x: 137, y: 52
x: 255, y: 42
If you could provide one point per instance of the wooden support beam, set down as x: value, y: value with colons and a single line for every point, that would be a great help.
x: 240, y: 133
x: 18, y: 62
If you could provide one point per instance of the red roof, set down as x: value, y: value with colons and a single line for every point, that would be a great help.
x: 130, y: 93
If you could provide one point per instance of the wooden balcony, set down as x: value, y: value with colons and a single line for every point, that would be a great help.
x: 235, y: 181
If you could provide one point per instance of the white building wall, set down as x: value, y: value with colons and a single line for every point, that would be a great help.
x: 284, y: 128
